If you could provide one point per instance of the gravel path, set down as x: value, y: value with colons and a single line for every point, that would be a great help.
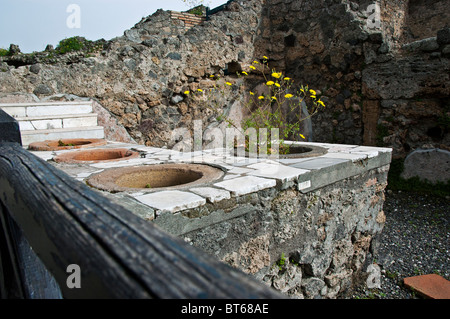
x: 415, y: 241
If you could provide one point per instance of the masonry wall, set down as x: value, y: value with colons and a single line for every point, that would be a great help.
x: 189, y: 20
x: 377, y: 91
x: 306, y: 245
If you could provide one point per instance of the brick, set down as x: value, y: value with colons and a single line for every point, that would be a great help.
x: 429, y: 286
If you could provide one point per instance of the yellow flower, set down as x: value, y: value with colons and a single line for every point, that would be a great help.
x: 302, y: 90
x: 211, y: 76
x: 321, y: 103
x: 302, y: 136
x: 274, y: 98
x: 276, y: 75
x: 255, y: 62
x: 288, y: 96
x: 251, y: 93
x: 313, y: 97
x: 228, y: 83
x: 252, y: 67
x: 186, y: 92
x: 199, y: 90
x: 245, y: 73
x: 312, y: 92
x: 261, y: 97
x: 270, y: 83
x: 277, y: 84
x: 265, y: 58
x: 286, y: 79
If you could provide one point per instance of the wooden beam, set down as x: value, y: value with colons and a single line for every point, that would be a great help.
x: 119, y: 254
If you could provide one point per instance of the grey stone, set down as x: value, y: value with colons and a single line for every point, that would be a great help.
x: 319, y: 163
x: 312, y: 287
x: 35, y: 68
x: 171, y: 201
x: 429, y: 45
x: 426, y: 45
x: 443, y: 36
x: 177, y: 99
x: 246, y: 185
x: 277, y: 171
x: 132, y: 205
x: 174, y: 56
x: 14, y: 49
x: 43, y: 90
x: 432, y: 165
x: 446, y: 50
x: 212, y: 194
x: 130, y: 64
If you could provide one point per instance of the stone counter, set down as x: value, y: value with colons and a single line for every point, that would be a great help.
x: 306, y: 226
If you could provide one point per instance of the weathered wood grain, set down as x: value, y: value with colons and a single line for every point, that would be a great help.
x: 119, y: 254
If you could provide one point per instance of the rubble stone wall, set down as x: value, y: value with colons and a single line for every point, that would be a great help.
x: 307, y: 245
x: 386, y: 85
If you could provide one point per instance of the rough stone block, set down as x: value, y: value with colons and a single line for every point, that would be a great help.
x: 443, y: 36
x: 432, y: 165
x: 171, y: 201
x: 246, y: 185
x: 44, y: 110
x: 319, y: 163
x: 279, y: 172
x: 213, y: 195
x: 14, y: 111
x: 46, y: 124
x: 80, y: 121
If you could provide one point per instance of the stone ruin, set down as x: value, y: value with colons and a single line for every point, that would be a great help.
x: 385, y: 84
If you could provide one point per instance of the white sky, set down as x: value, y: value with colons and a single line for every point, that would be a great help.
x: 32, y: 24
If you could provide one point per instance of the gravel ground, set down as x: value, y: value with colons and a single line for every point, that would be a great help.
x: 415, y: 241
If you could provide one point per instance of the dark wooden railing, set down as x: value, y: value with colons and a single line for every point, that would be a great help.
x: 51, y: 221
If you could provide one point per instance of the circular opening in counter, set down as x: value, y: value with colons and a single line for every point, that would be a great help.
x: 294, y: 151
x: 303, y: 151
x: 96, y: 155
x: 65, y: 144
x: 152, y: 177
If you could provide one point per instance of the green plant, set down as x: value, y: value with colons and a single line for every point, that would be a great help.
x: 78, y: 44
x: 70, y: 45
x: 4, y: 52
x: 392, y: 275
x: 418, y: 272
x: 281, y: 262
x: 279, y: 105
x: 197, y: 11
x: 61, y: 143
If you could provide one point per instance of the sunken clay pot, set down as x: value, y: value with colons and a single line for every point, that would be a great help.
x: 96, y: 156
x: 74, y: 143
